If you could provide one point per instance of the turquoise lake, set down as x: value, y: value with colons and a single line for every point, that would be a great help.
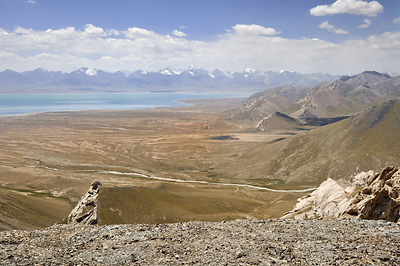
x: 16, y: 104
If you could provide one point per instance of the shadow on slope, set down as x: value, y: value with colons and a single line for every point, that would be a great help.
x: 324, y: 121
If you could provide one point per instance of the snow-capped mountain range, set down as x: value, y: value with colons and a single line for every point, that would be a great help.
x: 169, y: 79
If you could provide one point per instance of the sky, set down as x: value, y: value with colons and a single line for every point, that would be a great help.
x: 307, y: 36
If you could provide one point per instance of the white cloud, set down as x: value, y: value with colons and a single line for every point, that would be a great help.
x: 254, y: 30
x: 7, y: 56
x: 178, y: 33
x: 93, y: 31
x: 396, y: 20
x: 366, y: 24
x: 331, y: 28
x: 66, y: 33
x: 31, y: 2
x: 134, y: 33
x: 356, y: 7
x: 23, y: 31
x: 68, y: 49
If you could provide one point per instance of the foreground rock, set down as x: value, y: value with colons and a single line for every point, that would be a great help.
x: 240, y: 242
x: 85, y: 212
x: 379, y: 200
x: 330, y: 199
x: 365, y: 196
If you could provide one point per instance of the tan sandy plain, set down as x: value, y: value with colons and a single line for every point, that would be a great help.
x: 48, y: 160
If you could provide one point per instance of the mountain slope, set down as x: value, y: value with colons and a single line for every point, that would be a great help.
x: 288, y: 92
x: 278, y: 121
x: 258, y: 108
x: 341, y: 97
x: 323, y: 102
x: 262, y: 104
x: 390, y: 87
x: 369, y: 140
x: 349, y: 94
x: 368, y: 86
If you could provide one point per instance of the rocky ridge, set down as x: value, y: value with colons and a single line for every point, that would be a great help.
x: 239, y: 242
x: 379, y: 200
x: 344, y: 96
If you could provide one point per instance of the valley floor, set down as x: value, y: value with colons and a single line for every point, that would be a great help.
x: 48, y: 161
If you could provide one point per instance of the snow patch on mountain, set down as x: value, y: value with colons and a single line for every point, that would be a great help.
x: 91, y: 72
x: 250, y: 70
x: 286, y: 70
x: 166, y: 72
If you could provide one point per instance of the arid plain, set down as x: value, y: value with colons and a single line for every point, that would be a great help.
x: 159, y: 165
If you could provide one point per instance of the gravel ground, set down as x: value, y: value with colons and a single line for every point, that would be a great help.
x: 239, y: 242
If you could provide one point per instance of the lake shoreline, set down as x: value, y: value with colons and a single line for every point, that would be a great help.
x: 28, y: 104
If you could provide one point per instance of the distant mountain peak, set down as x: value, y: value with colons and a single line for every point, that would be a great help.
x: 190, y: 79
x: 41, y: 69
x: 371, y: 74
x: 287, y: 71
x: 376, y: 73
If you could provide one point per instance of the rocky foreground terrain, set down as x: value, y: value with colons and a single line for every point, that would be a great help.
x: 239, y: 242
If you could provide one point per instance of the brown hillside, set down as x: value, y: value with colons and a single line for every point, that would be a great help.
x: 370, y: 140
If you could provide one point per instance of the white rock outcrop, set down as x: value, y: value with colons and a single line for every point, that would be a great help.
x: 331, y: 199
x: 85, y: 212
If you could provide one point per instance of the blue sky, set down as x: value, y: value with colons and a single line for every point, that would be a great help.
x: 335, y: 36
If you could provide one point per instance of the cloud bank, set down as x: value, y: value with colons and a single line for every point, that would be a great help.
x: 356, y: 7
x: 240, y: 47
